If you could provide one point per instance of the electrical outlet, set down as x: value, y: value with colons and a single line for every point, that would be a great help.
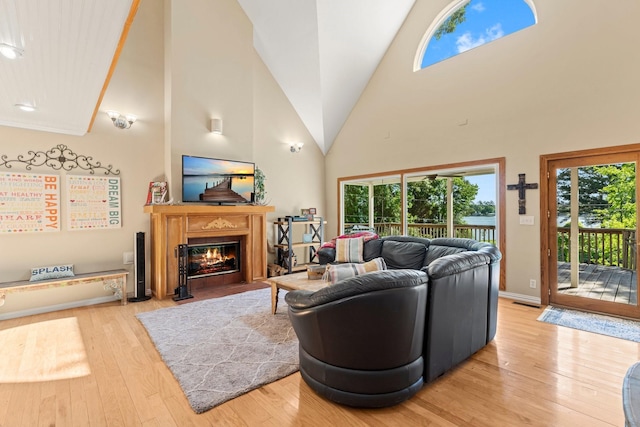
x: 127, y: 257
x: 532, y: 283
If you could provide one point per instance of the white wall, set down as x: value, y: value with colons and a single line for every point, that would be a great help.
x: 215, y: 72
x: 293, y: 180
x: 549, y: 88
x: 183, y: 63
x: 568, y: 83
x: 136, y: 87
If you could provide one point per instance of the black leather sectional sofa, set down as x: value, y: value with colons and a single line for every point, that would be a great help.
x: 460, y: 281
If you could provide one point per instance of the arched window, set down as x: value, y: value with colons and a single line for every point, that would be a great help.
x: 466, y: 24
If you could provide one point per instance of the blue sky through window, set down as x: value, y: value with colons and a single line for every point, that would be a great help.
x: 486, y: 187
x: 486, y: 21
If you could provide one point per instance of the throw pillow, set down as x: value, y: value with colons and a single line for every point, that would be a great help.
x: 349, y: 250
x: 337, y: 272
x: 53, y: 272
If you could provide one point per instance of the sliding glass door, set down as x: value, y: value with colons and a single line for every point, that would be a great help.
x: 460, y: 203
x: 373, y: 204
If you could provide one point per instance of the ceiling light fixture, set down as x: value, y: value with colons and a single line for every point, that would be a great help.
x: 121, y: 121
x: 296, y: 147
x: 9, y: 51
x: 26, y: 107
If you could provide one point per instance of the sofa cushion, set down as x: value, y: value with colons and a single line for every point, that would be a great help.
x: 436, y: 251
x: 338, y: 272
x: 399, y: 255
x: 349, y: 250
x: 372, y: 249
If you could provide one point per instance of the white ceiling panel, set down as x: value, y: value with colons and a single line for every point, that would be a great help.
x: 68, y: 47
x: 322, y: 53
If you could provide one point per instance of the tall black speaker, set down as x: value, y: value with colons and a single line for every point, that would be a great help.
x: 139, y: 270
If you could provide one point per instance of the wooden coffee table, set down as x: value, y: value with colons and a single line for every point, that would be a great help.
x: 292, y: 282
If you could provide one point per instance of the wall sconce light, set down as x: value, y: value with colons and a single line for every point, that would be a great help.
x: 296, y: 147
x: 26, y: 107
x: 10, y: 51
x: 121, y: 121
x: 216, y: 126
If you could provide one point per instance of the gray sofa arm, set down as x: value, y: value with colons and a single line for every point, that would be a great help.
x: 456, y: 263
x: 373, y: 281
x: 471, y: 245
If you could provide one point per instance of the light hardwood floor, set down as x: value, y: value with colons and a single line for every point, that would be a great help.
x: 95, y: 366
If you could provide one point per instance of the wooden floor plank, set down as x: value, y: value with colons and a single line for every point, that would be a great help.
x: 607, y: 283
x: 533, y: 373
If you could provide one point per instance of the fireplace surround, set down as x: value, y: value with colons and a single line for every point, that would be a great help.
x: 173, y: 225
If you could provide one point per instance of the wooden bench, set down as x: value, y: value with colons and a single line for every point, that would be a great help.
x: 114, y: 280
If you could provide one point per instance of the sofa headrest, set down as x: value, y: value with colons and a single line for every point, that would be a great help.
x: 422, y: 240
x: 370, y: 282
x: 437, y: 251
x: 456, y: 263
x: 403, y: 254
x: 372, y: 249
x: 468, y: 245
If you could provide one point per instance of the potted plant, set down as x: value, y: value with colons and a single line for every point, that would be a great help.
x: 260, y: 193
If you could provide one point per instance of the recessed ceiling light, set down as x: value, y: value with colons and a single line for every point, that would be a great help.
x: 26, y: 107
x: 9, y: 51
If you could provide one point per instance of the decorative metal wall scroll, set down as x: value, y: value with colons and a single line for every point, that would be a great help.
x: 522, y: 197
x: 59, y: 157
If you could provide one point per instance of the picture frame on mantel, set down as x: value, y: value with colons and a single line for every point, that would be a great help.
x: 157, y: 194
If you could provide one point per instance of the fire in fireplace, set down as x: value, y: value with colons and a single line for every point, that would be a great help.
x: 209, y: 259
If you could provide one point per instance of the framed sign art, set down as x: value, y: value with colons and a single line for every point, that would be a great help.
x: 93, y: 202
x: 29, y: 202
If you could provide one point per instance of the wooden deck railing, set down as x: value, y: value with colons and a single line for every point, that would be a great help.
x: 481, y: 233
x: 603, y: 246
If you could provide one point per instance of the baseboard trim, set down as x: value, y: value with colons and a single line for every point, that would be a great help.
x: 56, y: 307
x: 522, y: 298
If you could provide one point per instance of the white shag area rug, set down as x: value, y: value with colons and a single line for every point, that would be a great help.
x: 221, y: 348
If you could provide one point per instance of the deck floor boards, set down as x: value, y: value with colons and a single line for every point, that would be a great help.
x: 600, y: 282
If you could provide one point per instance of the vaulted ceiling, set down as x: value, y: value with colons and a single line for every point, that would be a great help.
x: 322, y: 53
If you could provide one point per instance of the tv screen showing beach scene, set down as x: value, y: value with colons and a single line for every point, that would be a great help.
x: 207, y: 180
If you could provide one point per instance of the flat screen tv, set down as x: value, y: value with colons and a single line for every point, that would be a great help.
x: 217, y: 181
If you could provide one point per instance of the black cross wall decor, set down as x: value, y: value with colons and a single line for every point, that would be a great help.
x: 522, y: 197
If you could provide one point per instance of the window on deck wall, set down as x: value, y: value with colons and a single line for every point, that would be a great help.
x: 373, y: 204
x: 446, y: 204
x: 465, y: 25
x: 452, y: 205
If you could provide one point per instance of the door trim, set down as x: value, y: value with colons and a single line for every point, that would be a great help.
x: 545, y: 161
